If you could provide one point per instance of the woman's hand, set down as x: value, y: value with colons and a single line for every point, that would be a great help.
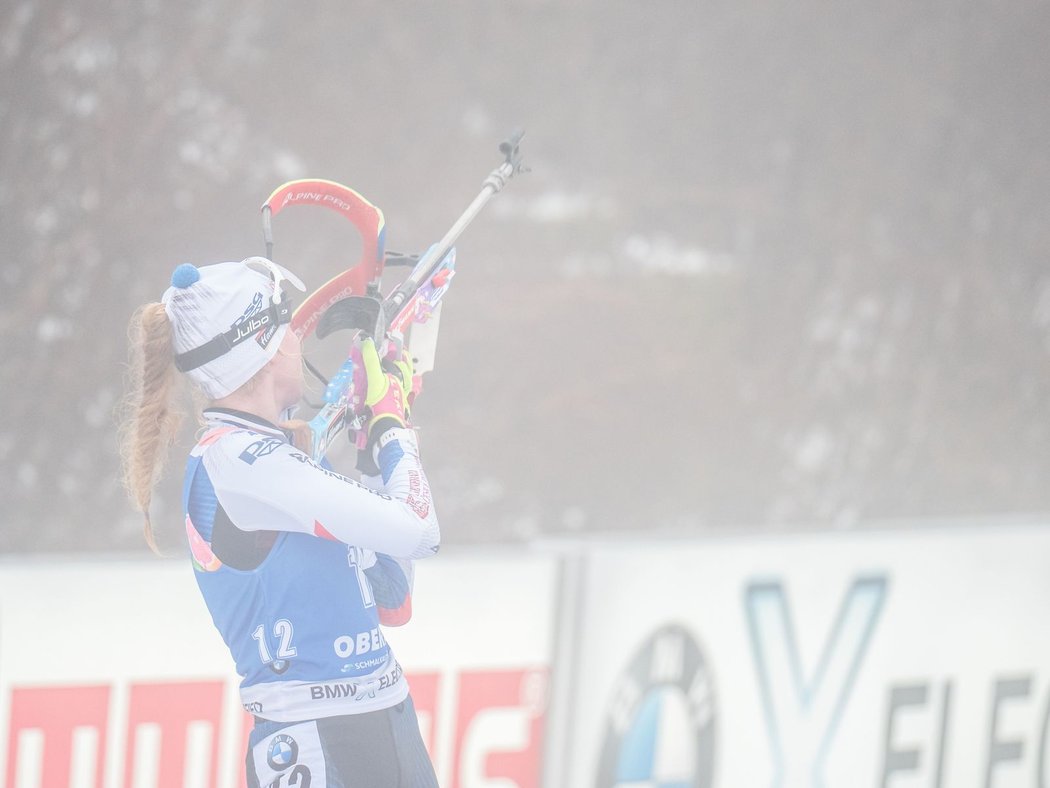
x: 388, y: 384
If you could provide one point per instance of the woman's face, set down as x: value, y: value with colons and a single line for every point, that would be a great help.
x: 286, y: 367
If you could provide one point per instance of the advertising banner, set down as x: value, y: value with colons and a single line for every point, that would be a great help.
x: 112, y: 675
x: 903, y: 658
x: 908, y: 658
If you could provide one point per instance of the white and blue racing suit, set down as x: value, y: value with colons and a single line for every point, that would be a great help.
x: 300, y: 565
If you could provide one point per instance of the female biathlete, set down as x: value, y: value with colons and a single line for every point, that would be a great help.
x: 298, y: 564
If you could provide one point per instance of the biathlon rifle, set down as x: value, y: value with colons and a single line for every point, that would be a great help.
x: 352, y: 299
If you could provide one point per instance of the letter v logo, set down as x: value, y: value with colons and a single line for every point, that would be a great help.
x: 802, y: 714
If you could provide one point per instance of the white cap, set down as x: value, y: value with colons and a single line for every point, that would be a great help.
x: 204, y: 303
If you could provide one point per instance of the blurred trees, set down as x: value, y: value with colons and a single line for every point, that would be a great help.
x: 776, y: 263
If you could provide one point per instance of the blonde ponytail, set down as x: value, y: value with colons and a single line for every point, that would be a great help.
x: 151, y: 416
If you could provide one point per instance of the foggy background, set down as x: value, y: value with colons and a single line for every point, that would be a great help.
x: 777, y: 264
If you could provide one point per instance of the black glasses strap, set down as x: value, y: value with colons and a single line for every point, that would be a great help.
x: 276, y: 315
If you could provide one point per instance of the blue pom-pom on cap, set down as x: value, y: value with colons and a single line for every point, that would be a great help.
x: 185, y: 275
